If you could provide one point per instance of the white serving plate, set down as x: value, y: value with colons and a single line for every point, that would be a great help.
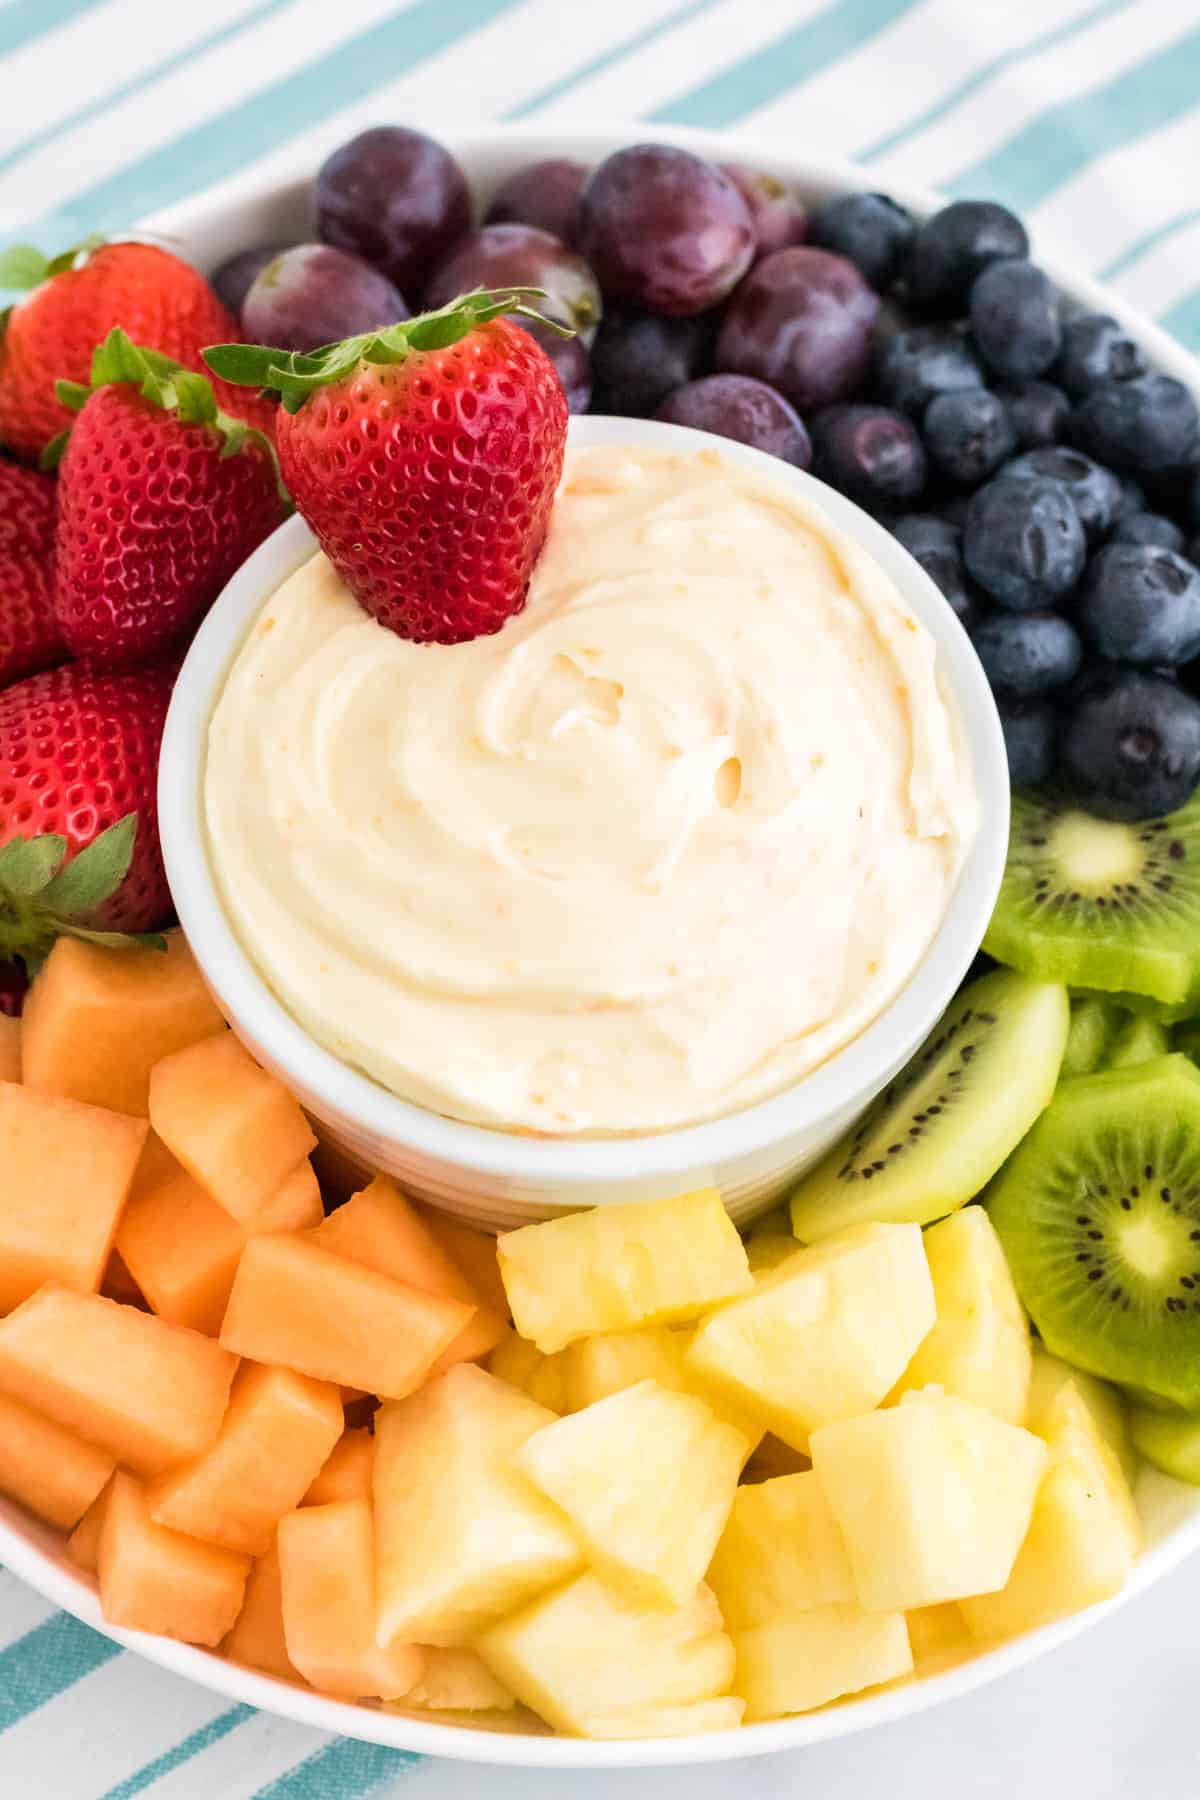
x: 238, y: 214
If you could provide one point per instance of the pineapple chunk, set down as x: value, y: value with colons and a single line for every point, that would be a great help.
x: 1050, y: 1376
x: 769, y: 1249
x: 596, y: 1367
x: 933, y: 1498
x: 826, y: 1335
x: 794, y: 1665
x: 462, y: 1536
x: 781, y: 1554
x: 979, y: 1349
x: 621, y: 1266
x: 647, y: 1478
x: 939, y: 1638
x: 773, y: 1457
x: 668, y: 1721
x: 1083, y: 1537
x: 584, y: 1652
x: 458, y: 1681
x: 523, y: 1366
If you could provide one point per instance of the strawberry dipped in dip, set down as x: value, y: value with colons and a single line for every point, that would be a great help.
x: 667, y: 833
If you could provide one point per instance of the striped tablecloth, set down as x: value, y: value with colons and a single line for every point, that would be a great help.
x: 1085, y: 114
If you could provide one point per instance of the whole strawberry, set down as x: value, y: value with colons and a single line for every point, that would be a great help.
x: 161, y: 498
x: 425, y: 457
x: 79, y: 848
x: 29, y: 635
x: 28, y: 510
x: 76, y: 299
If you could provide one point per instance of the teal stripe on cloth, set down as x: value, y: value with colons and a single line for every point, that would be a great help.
x: 1060, y: 34
x: 157, y: 72
x: 45, y: 1662
x: 1067, y: 138
x: 757, y: 79
x: 1150, y: 241
x: 343, y: 1770
x: 596, y: 63
x: 28, y: 19
x: 211, y: 151
x: 1184, y: 320
x: 182, y: 1752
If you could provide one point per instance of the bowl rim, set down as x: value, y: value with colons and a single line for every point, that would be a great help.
x: 34, y: 1554
x: 848, y: 1078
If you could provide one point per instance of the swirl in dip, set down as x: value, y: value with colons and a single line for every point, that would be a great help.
x: 667, y: 841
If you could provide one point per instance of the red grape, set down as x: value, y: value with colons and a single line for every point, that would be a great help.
x: 545, y: 194
x: 503, y: 256
x: 802, y: 320
x: 395, y: 197
x: 779, y: 217
x: 738, y: 407
x: 314, y: 294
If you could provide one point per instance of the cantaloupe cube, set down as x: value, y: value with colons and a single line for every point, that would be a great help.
x: 257, y: 1639
x: 932, y: 1497
x: 379, y: 1228
x: 647, y: 1478
x: 346, y: 1472
x: 236, y: 1129
x: 301, y: 1307
x: 793, y: 1665
x: 621, y: 1266
x: 117, y: 1282
x: 152, y: 1394
x: 96, y: 1021
x: 780, y: 1554
x: 979, y: 1347
x: 152, y: 1579
x: 522, y: 1365
x: 462, y: 1535
x: 583, y: 1653
x: 49, y: 1470
x: 183, y: 1249
x: 328, y: 1567
x: 10, y: 1048
x: 83, y: 1545
x: 65, y: 1172
x: 475, y: 1253
x: 825, y: 1335
x: 1083, y: 1536
x: 458, y: 1681
x: 277, y: 1433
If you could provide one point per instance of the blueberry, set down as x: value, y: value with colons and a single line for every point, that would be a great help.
x: 1037, y: 411
x: 1014, y: 319
x: 955, y: 245
x: 955, y: 511
x: 937, y: 546
x: 1095, y: 349
x: 869, y: 452
x: 1147, y: 424
x: 638, y: 358
x: 918, y: 365
x: 968, y: 434
x: 1130, y: 748
x: 870, y: 229
x: 1141, y: 604
x: 1133, y: 498
x: 1024, y: 542
x: 1027, y: 654
x: 1030, y: 730
x: 1191, y: 504
x: 1096, y: 491
x: 1149, y: 528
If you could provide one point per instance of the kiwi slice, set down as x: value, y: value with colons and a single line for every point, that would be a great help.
x: 1094, y: 1021
x: 1170, y: 1441
x: 946, y: 1122
x: 1139, y: 1040
x: 1100, y: 904
x: 1099, y: 1215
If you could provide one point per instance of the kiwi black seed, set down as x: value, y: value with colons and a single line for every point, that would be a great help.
x: 1099, y: 904
x: 947, y: 1121
x: 1099, y: 1215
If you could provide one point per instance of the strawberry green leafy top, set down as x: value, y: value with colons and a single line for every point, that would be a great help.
x: 42, y: 898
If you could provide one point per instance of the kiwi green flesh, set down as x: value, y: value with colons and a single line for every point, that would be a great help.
x: 1099, y: 1215
x: 1139, y: 1040
x: 944, y: 1125
x: 1172, y: 1444
x: 1099, y: 904
x: 1094, y: 1022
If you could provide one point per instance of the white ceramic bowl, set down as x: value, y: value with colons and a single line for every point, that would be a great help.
x: 498, y: 1180
x: 208, y: 228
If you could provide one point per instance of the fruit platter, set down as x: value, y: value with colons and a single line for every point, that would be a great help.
x: 599, y: 814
